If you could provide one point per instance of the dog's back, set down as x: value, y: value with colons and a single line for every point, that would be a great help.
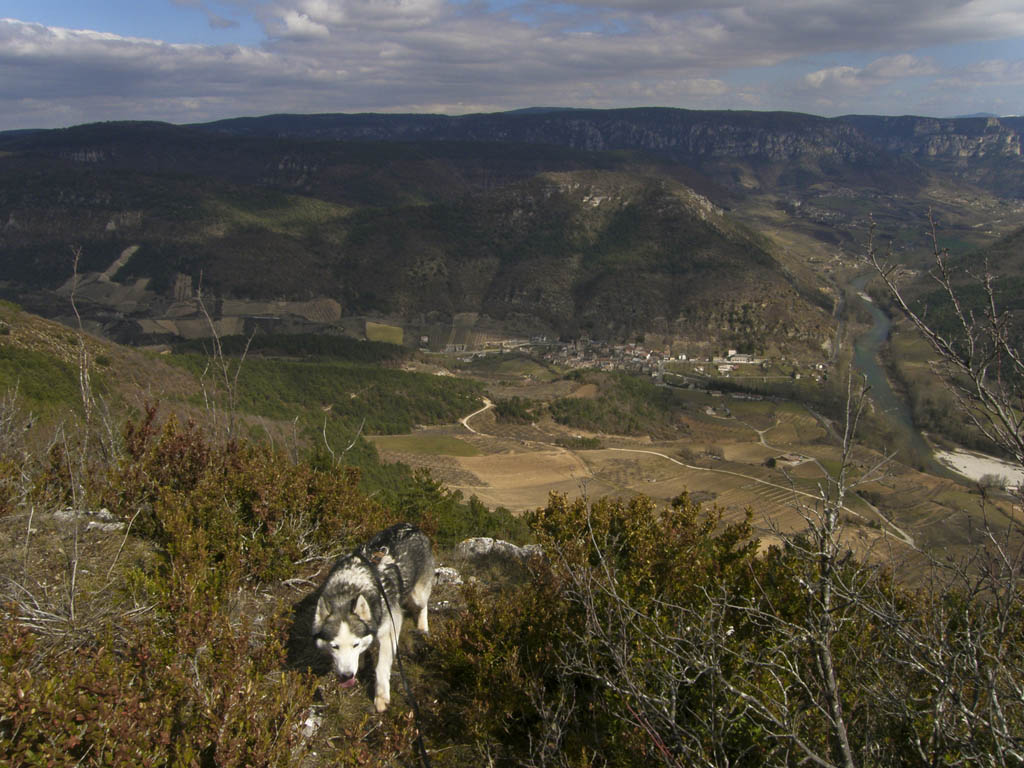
x: 404, y: 560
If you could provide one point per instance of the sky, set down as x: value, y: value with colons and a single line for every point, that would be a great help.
x: 66, y: 62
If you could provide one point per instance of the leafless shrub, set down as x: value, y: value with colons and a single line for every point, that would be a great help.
x: 964, y: 645
x: 979, y: 357
x: 225, y: 373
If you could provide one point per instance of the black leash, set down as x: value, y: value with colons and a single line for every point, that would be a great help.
x: 424, y: 757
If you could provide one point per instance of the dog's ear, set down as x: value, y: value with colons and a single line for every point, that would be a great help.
x: 323, y: 610
x: 361, y: 608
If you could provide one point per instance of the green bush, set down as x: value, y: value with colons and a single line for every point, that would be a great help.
x: 626, y: 405
x: 43, y: 382
x: 660, y: 636
x: 224, y: 515
x: 390, y: 401
x: 579, y: 443
x: 160, y: 665
x: 204, y: 693
x: 514, y: 410
x: 307, y: 345
x: 450, y: 519
x: 506, y: 660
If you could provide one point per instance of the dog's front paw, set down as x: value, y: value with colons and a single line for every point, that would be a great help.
x: 381, y: 702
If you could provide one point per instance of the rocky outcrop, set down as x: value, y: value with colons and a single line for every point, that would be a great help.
x: 485, y: 547
x: 951, y: 139
x: 96, y: 520
x: 691, y: 137
x: 444, y: 574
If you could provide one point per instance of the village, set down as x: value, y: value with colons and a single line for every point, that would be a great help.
x: 638, y: 358
x: 677, y: 369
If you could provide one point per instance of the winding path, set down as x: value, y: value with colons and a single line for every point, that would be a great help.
x: 464, y: 421
x: 902, y: 535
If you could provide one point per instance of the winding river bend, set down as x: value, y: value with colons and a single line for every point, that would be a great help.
x: 866, y: 349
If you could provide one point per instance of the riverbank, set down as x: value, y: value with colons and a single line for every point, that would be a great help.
x: 975, y: 466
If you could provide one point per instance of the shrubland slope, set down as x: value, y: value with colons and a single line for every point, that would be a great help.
x: 156, y: 606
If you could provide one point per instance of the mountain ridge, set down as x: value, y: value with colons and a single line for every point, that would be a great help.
x: 688, y: 133
x: 513, y: 218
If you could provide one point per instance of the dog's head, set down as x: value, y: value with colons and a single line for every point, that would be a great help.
x: 344, y: 632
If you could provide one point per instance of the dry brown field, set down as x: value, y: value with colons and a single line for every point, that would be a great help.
x: 518, y: 466
x: 588, y: 391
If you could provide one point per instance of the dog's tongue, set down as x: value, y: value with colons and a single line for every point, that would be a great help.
x: 349, y: 683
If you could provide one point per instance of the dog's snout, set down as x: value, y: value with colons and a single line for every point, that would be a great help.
x: 347, y: 681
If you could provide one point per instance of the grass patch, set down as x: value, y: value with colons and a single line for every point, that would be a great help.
x: 42, y: 381
x: 389, y: 334
x: 512, y: 365
x: 285, y: 214
x: 832, y: 466
x: 957, y: 499
x: 425, y: 443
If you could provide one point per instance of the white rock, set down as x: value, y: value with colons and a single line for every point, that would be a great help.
x: 72, y: 514
x: 311, y: 724
x: 485, y: 546
x: 445, y: 575
x: 106, y: 527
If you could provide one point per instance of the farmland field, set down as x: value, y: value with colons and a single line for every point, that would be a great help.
x: 390, y: 334
x: 429, y: 443
x: 769, y: 458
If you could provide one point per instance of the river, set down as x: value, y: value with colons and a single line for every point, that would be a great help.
x: 866, y: 349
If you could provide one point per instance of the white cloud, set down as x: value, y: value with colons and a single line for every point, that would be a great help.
x: 325, y: 11
x: 300, y: 26
x: 387, y: 14
x: 899, y: 66
x: 833, y: 76
x: 347, y: 55
x: 875, y: 74
x: 992, y: 85
x: 997, y: 72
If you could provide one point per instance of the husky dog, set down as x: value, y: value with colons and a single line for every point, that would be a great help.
x: 362, y: 600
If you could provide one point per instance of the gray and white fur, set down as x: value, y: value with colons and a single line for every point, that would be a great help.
x: 352, y: 612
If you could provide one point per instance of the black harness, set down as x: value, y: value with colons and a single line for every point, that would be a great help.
x: 373, y: 562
